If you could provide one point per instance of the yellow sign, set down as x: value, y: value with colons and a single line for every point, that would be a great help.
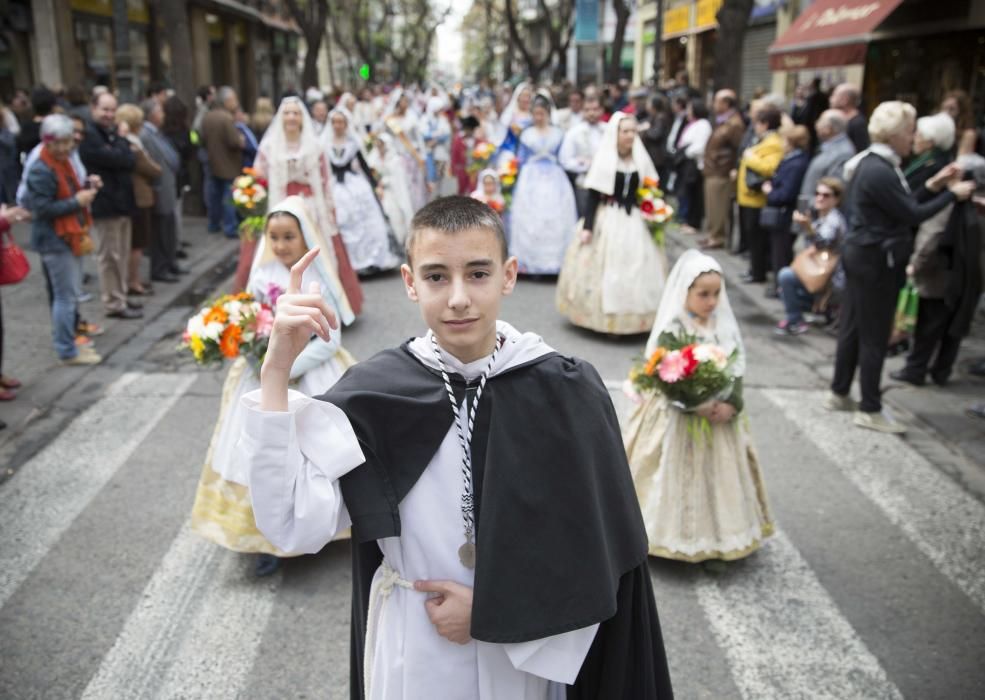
x: 136, y: 9
x: 706, y: 13
x: 677, y: 20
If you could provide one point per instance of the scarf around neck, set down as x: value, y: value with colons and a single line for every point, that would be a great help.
x: 73, y: 228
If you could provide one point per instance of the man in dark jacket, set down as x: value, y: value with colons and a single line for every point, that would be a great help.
x: 721, y: 158
x: 106, y: 153
x: 224, y: 144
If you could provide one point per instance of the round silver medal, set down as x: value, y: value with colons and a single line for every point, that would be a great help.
x: 466, y: 555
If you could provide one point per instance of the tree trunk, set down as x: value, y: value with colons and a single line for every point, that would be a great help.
x: 179, y: 37
x: 312, y: 19
x: 615, y: 59
x: 733, y: 18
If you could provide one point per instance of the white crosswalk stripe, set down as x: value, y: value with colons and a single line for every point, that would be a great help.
x: 194, y: 633
x: 783, y: 635
x: 944, y: 521
x: 52, y: 488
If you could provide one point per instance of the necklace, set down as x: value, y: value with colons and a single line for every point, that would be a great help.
x: 466, y: 553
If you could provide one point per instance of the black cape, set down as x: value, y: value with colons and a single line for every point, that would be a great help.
x: 560, y: 540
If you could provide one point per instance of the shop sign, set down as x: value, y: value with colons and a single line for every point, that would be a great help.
x: 706, y: 13
x: 587, y: 20
x: 677, y: 20
x: 136, y: 9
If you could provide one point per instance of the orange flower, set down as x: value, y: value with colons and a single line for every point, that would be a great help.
x: 649, y: 182
x: 250, y: 171
x: 216, y: 314
x: 230, y: 340
x: 249, y: 191
x: 651, y: 364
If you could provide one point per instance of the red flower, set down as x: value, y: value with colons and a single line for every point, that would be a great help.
x: 646, y: 206
x: 690, y: 363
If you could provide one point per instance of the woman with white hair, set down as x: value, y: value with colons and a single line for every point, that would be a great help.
x: 946, y: 268
x: 60, y: 226
x: 932, y: 142
x: 877, y: 246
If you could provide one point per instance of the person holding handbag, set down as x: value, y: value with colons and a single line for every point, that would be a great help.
x: 781, y: 199
x: 61, y: 223
x: 812, y: 272
x: 13, y: 268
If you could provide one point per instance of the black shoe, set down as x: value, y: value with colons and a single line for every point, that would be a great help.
x: 179, y: 270
x: 135, y: 305
x: 940, y: 379
x: 266, y: 565
x: 167, y: 277
x: 128, y: 314
x: 181, y: 255
x: 901, y: 375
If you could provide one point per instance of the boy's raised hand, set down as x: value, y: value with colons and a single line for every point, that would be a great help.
x: 298, y: 317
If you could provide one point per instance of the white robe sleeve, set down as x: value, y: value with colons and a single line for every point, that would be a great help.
x: 557, y: 658
x: 294, y: 459
x: 568, y: 157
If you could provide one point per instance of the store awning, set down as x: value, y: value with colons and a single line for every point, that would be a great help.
x: 830, y: 33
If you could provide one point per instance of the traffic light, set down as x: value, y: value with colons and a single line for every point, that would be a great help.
x: 364, y: 71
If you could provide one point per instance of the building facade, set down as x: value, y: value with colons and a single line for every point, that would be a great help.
x: 251, y: 45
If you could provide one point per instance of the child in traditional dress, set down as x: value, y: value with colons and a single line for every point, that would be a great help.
x: 489, y: 191
x: 701, y: 492
x: 498, y: 549
x: 222, y: 511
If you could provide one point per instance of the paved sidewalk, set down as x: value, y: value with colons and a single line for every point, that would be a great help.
x: 938, y: 410
x: 28, y: 354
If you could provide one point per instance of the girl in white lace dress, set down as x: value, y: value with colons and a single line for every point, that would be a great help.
x: 701, y: 491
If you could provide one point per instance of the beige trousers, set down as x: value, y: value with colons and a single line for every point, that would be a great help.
x: 718, y: 204
x: 112, y: 236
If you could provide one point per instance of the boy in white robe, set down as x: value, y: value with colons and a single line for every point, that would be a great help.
x: 508, y: 566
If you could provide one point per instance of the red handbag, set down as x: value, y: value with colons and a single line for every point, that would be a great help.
x: 13, y: 263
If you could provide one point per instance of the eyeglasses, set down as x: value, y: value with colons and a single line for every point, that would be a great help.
x: 825, y: 195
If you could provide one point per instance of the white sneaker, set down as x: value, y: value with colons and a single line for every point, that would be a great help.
x: 878, y: 421
x: 86, y: 356
x: 836, y: 402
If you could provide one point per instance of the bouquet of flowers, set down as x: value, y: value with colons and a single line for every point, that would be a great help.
x: 480, y: 156
x: 507, y: 178
x: 656, y: 212
x: 231, y: 326
x: 686, y: 371
x: 250, y: 200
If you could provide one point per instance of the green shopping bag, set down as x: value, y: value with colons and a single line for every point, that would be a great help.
x: 906, y: 309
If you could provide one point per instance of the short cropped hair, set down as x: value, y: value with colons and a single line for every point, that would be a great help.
x: 454, y: 214
x: 770, y: 116
x: 890, y: 118
x: 55, y: 127
x: 938, y: 129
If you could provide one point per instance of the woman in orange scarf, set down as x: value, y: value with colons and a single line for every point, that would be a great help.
x: 59, y: 205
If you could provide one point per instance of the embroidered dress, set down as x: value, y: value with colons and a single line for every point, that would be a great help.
x: 613, y: 283
x: 301, y: 168
x: 542, y: 213
x: 701, y: 491
x: 408, y: 145
x: 357, y: 211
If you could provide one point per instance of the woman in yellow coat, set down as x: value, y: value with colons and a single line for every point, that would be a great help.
x: 758, y: 163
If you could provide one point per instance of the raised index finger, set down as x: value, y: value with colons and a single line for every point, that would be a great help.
x: 297, y: 271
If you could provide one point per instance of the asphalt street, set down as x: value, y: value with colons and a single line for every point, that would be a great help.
x: 873, y: 587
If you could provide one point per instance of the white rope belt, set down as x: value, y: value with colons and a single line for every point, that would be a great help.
x: 379, y: 593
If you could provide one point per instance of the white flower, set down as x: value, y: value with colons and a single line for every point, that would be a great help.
x: 235, y: 311
x: 196, y: 324
x: 212, y: 331
x: 707, y: 352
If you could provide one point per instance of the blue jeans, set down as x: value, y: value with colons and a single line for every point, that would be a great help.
x: 66, y: 285
x: 796, y: 298
x: 220, y: 194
